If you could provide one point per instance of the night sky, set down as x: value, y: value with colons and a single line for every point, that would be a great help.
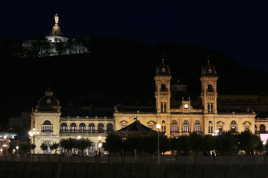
x: 237, y: 28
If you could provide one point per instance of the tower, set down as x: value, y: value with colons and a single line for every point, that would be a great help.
x: 45, y: 120
x: 162, y: 88
x: 209, y: 88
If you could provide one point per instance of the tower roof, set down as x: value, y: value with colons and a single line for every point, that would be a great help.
x: 209, y: 69
x: 163, y: 68
x: 48, y: 103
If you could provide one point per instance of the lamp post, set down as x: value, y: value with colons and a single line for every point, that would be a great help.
x: 32, y: 133
x: 158, y: 126
x: 99, y: 145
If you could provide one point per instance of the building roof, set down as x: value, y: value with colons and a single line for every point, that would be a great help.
x: 134, y: 109
x: 135, y: 126
x: 83, y: 112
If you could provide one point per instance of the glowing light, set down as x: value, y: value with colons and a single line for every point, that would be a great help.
x: 100, y: 145
x: 78, y: 137
x: 186, y: 106
x: 158, y: 126
x: 33, y: 132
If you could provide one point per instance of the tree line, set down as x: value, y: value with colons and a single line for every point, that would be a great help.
x: 65, y: 146
x: 146, y: 143
x: 226, y: 143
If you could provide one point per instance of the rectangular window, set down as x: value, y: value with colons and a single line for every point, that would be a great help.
x: 210, y: 107
x: 210, y: 129
x: 163, y: 107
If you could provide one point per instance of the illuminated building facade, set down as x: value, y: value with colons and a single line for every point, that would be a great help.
x: 177, y: 115
x: 183, y: 116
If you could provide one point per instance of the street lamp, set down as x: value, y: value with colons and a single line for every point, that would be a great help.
x: 158, y: 127
x: 99, y: 145
x: 32, y: 133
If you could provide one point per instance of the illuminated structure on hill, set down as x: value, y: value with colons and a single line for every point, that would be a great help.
x: 54, y: 44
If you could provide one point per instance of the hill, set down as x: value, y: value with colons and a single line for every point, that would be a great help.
x: 118, y: 71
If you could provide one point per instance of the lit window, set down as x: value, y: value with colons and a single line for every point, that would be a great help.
x: 47, y: 126
x: 210, y: 127
x: 185, y: 127
x: 197, y: 127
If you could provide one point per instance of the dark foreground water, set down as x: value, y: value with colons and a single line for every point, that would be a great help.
x: 221, y: 168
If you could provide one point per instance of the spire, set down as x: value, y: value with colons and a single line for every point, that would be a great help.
x: 49, y: 92
x: 163, y: 61
x: 209, y: 69
x: 163, y: 68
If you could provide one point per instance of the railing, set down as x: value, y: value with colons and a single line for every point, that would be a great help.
x: 84, y: 132
x: 47, y: 130
x: 261, y: 132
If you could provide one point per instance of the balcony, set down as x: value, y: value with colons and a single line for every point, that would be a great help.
x: 84, y: 132
x: 261, y: 132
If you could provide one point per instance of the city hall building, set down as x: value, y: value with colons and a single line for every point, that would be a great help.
x: 177, y: 117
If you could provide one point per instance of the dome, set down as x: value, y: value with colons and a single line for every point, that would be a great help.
x: 48, y: 103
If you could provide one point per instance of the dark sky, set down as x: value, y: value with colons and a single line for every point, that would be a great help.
x: 237, y: 28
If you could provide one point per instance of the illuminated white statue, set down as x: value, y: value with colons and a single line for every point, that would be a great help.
x: 56, y: 18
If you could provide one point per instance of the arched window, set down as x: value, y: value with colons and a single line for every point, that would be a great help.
x: 174, y: 127
x: 262, y: 128
x: 100, y: 127
x: 197, y: 126
x: 247, y: 126
x: 210, y: 88
x: 151, y: 124
x: 185, y: 127
x: 73, y: 127
x: 110, y: 127
x: 47, y: 126
x: 210, y: 127
x: 46, y: 146
x: 163, y: 87
x: 91, y: 128
x: 220, y: 126
x: 63, y: 127
x: 163, y: 127
x: 233, y: 126
x: 82, y: 127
